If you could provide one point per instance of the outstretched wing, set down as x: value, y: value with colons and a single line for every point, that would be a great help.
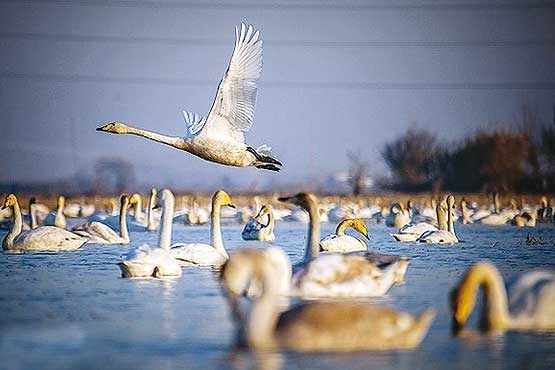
x: 233, y: 110
x: 194, y: 123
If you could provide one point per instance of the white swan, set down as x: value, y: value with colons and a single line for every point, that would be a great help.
x: 338, y: 275
x: 213, y: 254
x: 411, y: 232
x: 99, y: 233
x: 220, y: 137
x: 340, y: 242
x: 529, y: 305
x: 316, y: 326
x: 196, y: 215
x: 261, y: 227
x: 398, y: 216
x: 446, y: 233
x: 44, y: 238
x: 146, y: 261
x: 57, y: 219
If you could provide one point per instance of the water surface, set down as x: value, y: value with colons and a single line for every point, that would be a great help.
x: 73, y: 310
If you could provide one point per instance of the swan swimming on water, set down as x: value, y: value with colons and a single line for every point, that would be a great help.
x: 44, y: 238
x: 258, y: 228
x: 220, y: 137
x: 315, y: 326
x: 213, y: 254
x: 527, y: 306
x: 146, y: 261
x: 340, y: 275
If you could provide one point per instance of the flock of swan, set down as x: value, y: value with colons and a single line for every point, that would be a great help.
x: 338, y: 266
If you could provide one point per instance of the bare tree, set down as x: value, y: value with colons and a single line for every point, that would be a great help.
x: 358, y: 173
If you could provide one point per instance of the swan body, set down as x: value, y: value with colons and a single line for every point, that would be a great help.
x: 315, y: 326
x: 446, y: 232
x: 525, y: 219
x: 220, y: 137
x: 398, y: 216
x: 213, y: 254
x: 196, y: 215
x: 44, y: 238
x: 342, y: 243
x: 411, y: 232
x: 337, y: 275
x: 146, y: 261
x: 527, y: 306
x: 260, y: 229
x: 100, y: 233
x: 495, y: 219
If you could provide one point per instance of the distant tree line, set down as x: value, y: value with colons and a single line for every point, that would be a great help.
x: 516, y: 158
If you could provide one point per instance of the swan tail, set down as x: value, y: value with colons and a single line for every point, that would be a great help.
x: 265, y: 159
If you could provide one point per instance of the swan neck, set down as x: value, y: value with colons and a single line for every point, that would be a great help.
x: 215, y: 228
x: 123, y: 232
x: 165, y: 233
x: 313, y: 240
x: 271, y: 219
x: 59, y: 219
x: 343, y: 225
x: 139, y: 209
x: 16, y: 227
x: 440, y: 214
x: 495, y: 313
x: 450, y: 221
x: 263, y: 317
x: 175, y: 141
x: 33, y: 216
x: 150, y: 214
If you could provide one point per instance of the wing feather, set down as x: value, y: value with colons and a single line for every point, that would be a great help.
x: 233, y: 110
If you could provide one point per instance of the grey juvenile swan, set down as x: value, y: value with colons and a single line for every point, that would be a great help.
x: 220, y: 137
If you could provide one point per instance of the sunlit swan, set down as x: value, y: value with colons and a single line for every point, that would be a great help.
x: 220, y: 137
x: 338, y: 275
x: 261, y: 227
x: 44, y: 238
x: 340, y: 242
x: 146, y: 261
x: 529, y: 305
x: 213, y: 254
x: 398, y: 216
x: 318, y: 326
x: 99, y: 233
x: 57, y: 219
x: 446, y: 233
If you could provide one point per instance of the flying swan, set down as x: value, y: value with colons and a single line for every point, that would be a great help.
x: 220, y: 137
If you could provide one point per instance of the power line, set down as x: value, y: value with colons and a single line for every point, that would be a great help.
x: 406, y: 5
x: 543, y: 86
x: 290, y: 43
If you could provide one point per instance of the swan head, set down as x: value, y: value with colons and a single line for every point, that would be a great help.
x: 134, y: 199
x: 10, y: 201
x: 360, y: 226
x: 223, y: 199
x: 61, y: 201
x: 303, y: 200
x: 114, y: 127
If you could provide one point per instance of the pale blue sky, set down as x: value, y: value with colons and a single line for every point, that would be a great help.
x: 337, y: 76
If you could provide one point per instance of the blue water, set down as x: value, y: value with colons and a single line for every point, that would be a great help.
x: 73, y: 311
